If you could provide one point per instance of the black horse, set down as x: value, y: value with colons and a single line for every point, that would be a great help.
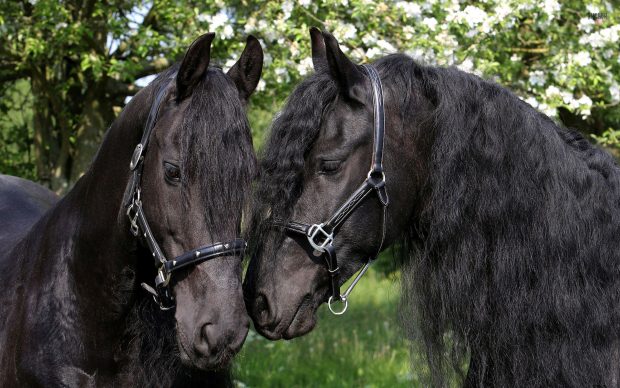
x: 72, y: 309
x: 509, y: 224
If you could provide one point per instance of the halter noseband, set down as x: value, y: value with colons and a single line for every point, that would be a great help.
x: 321, y: 236
x: 139, y: 224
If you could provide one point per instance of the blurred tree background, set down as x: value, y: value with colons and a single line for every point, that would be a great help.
x: 67, y: 67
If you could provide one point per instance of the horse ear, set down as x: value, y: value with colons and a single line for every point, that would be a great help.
x: 350, y: 77
x: 319, y: 56
x: 194, y: 65
x: 246, y: 72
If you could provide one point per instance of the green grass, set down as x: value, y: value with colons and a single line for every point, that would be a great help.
x: 362, y: 348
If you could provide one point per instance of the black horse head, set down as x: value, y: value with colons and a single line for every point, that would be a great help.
x: 76, y: 270
x: 508, y: 222
x: 320, y: 151
x: 196, y: 169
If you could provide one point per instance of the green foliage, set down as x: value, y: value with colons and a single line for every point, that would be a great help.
x: 16, y: 151
x: 561, y: 57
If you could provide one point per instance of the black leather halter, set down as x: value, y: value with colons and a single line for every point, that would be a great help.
x: 321, y: 236
x: 140, y: 226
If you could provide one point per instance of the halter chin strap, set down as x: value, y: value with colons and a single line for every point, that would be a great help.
x: 321, y: 236
x: 140, y: 226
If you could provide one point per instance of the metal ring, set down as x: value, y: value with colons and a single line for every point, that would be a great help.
x: 373, y: 171
x: 329, y: 304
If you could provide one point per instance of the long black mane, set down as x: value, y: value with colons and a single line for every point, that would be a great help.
x: 293, y: 133
x: 513, y: 267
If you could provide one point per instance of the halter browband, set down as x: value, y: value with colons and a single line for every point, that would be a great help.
x: 139, y: 224
x: 321, y: 236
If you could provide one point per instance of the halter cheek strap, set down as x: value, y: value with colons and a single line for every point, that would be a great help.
x: 321, y: 236
x: 139, y: 224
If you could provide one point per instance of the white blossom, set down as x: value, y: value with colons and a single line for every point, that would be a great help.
x: 546, y: 109
x: 410, y: 9
x: 592, y: 8
x: 515, y: 58
x: 532, y: 101
x: 373, y: 52
x: 503, y: 10
x: 386, y: 46
x: 250, y: 25
x: 230, y: 62
x: 552, y: 91
x: 408, y: 32
x: 582, y: 58
x: 466, y: 65
x: 600, y: 38
x: 472, y: 16
x: 287, y: 8
x: 227, y: 32
x: 267, y: 58
x: 585, y: 24
x: 431, y: 23
x: 345, y: 31
x: 584, y: 104
x: 281, y: 74
x: 614, y: 92
x: 261, y: 85
x: 370, y: 39
x: 551, y: 8
x: 304, y: 66
x: 304, y: 3
x: 218, y: 20
x: 537, y: 78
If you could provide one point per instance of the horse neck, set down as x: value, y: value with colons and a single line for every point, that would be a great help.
x: 105, y: 248
x: 89, y: 220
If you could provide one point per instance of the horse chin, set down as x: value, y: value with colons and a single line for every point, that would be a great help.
x: 220, y: 361
x: 303, y: 321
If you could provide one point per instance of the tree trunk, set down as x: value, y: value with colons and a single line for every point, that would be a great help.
x: 98, y: 114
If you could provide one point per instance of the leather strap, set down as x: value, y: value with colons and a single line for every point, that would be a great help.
x: 140, y: 225
x: 235, y: 247
x: 320, y: 236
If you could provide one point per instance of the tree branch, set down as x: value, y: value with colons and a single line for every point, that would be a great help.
x: 125, y: 45
x: 9, y: 74
x: 119, y: 89
x: 152, y: 67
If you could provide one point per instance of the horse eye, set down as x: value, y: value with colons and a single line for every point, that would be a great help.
x: 329, y: 167
x: 172, y: 172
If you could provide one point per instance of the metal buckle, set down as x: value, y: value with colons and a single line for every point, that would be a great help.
x: 135, y: 158
x: 162, y: 279
x: 133, y: 221
x: 313, y: 231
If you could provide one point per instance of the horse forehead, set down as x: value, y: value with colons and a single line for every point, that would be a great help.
x: 346, y: 124
x: 170, y: 124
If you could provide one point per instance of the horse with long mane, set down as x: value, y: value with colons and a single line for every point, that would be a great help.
x: 507, y: 223
x: 73, y: 311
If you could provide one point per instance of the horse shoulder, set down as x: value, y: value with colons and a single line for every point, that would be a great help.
x: 22, y: 203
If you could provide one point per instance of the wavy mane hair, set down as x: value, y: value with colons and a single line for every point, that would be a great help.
x: 511, y: 276
x: 215, y: 142
x: 293, y: 133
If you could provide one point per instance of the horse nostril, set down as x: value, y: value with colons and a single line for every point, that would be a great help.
x: 263, y: 315
x: 201, y: 344
x: 261, y: 308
